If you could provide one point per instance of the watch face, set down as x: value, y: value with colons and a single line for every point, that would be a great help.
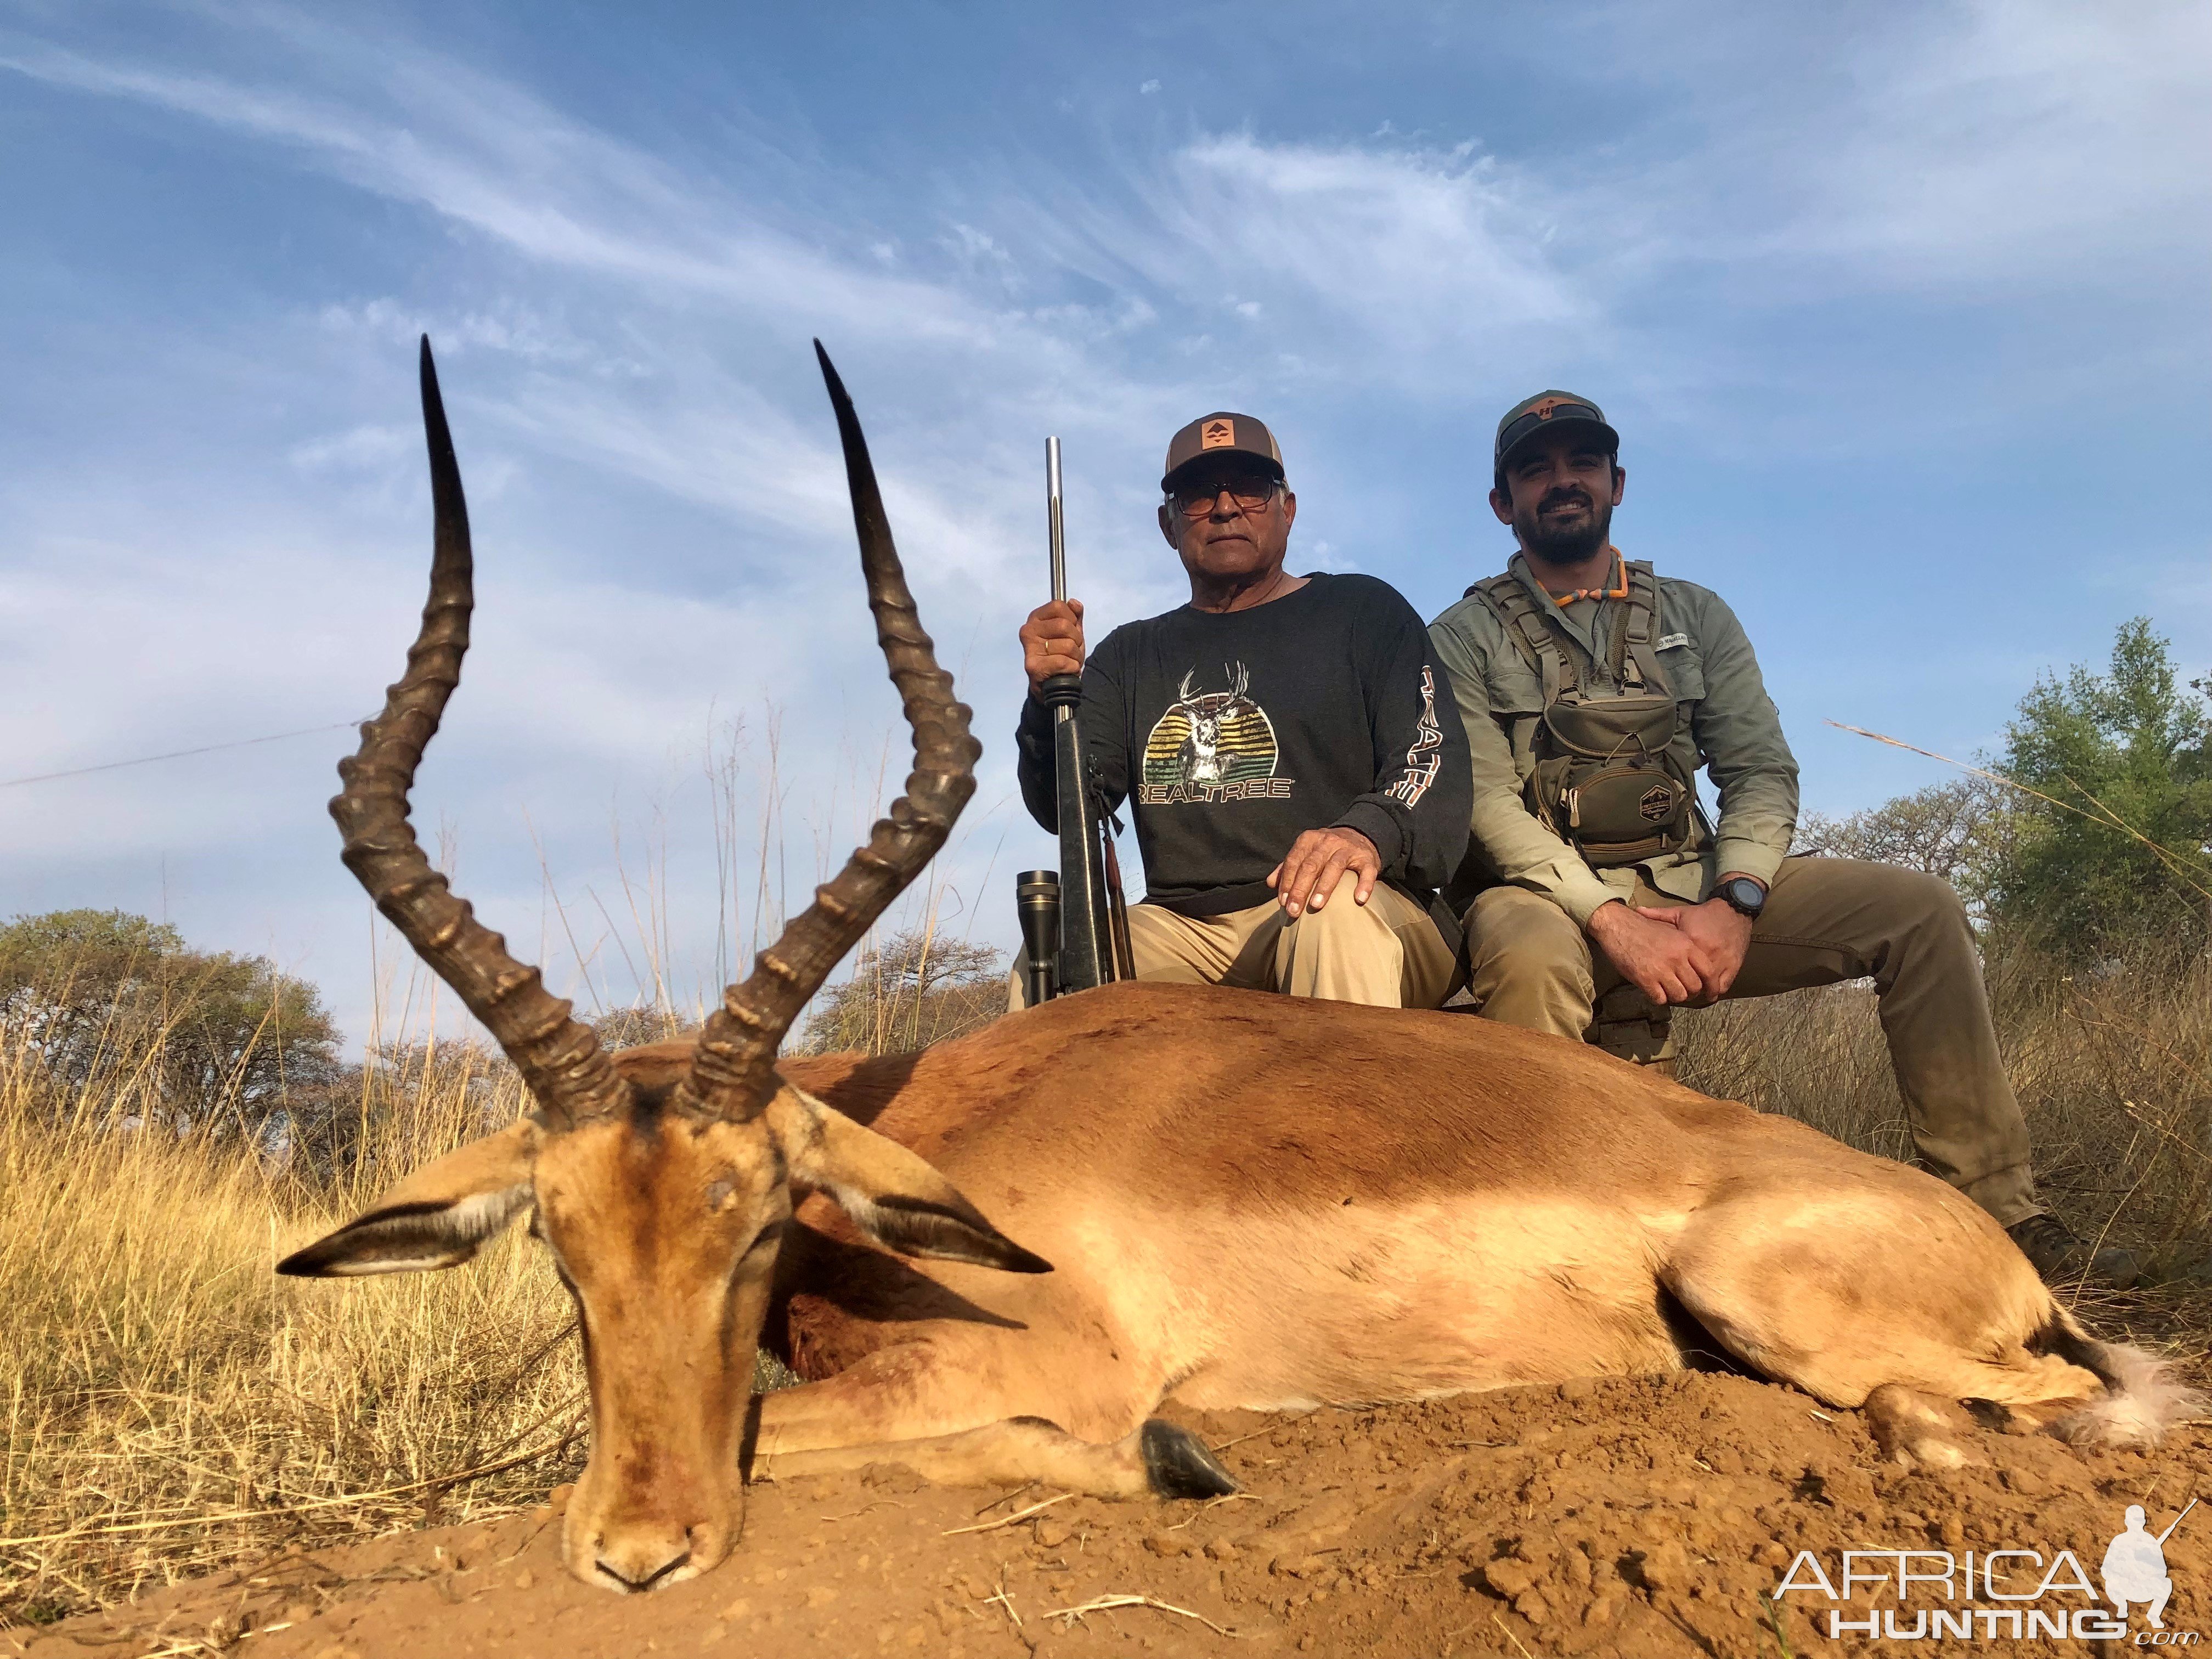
x: 1746, y: 896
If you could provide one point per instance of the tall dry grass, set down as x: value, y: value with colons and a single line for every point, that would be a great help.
x: 169, y: 1401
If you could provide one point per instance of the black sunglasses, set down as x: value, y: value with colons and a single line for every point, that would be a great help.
x: 1250, y: 491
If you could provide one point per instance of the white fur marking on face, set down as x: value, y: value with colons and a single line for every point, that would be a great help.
x: 369, y: 1268
x: 450, y: 1236
x: 477, y: 1218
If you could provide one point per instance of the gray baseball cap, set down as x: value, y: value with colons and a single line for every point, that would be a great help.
x: 1548, y: 411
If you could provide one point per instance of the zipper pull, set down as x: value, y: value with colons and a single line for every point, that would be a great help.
x: 1574, y: 808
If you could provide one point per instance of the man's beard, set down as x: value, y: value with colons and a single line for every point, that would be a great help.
x: 1566, y: 544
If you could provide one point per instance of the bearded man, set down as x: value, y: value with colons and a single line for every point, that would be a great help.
x: 1598, y: 895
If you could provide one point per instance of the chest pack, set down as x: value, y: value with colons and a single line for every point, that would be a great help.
x: 1605, y: 778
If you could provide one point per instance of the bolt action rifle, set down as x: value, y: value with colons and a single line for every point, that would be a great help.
x: 1075, y: 923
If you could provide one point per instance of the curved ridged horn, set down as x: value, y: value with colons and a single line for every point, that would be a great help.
x: 733, y: 1072
x: 559, y: 1058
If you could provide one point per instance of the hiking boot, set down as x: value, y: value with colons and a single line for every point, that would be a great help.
x: 2061, y: 1258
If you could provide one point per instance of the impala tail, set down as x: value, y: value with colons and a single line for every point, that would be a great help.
x: 2144, y: 1395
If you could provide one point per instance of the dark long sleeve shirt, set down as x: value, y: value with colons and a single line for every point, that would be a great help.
x: 1230, y: 735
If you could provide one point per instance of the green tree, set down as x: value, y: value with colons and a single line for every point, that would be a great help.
x: 2130, y: 750
x: 108, y: 1006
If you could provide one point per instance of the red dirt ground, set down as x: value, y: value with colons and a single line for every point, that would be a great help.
x: 1633, y: 1516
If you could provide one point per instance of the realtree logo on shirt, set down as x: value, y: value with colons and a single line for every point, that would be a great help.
x: 1211, y: 747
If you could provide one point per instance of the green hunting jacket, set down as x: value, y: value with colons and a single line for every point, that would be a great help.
x: 1732, y: 730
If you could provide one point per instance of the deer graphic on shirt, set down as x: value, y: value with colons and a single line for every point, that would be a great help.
x: 1200, y: 759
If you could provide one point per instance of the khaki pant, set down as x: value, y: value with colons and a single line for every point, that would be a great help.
x: 1386, y: 952
x: 1826, y: 920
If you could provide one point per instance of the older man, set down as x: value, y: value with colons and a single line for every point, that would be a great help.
x: 1292, y: 754
x: 1596, y: 894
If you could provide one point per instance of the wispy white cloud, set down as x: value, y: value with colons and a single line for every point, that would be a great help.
x: 1990, y: 145
x: 1414, y: 249
x: 407, y: 123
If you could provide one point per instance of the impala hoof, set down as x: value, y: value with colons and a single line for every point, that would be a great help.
x: 1178, y: 1464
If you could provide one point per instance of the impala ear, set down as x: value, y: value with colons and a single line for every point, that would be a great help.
x: 893, y: 1196
x: 439, y: 1217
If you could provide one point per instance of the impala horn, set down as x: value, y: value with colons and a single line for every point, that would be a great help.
x: 560, y: 1058
x: 734, y: 1070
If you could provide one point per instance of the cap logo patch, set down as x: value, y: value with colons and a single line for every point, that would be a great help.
x: 1544, y: 408
x: 1217, y: 434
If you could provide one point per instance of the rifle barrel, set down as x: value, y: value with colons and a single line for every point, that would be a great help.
x: 2168, y: 1533
x: 1056, y: 535
x: 1053, y: 525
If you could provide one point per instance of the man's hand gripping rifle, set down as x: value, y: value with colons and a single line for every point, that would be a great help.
x: 1075, y: 927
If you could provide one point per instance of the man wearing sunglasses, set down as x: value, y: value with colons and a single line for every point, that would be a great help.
x: 1597, y: 896
x: 1289, y: 752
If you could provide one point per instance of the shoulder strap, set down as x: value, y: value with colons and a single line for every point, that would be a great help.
x: 1531, y: 634
x: 1635, y: 664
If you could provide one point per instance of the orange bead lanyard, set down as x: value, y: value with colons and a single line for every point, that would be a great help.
x: 1618, y: 591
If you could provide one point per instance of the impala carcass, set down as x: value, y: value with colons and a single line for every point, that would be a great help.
x: 1222, y: 1197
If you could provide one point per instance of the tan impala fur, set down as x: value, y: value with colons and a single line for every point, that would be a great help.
x: 1261, y: 1202
x: 1233, y: 1199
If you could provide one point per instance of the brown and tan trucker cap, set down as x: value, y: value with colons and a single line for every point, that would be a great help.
x: 1208, y: 436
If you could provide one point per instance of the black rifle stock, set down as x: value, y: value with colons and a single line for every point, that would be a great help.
x: 1086, y: 947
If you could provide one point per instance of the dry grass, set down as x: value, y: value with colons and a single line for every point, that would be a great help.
x: 169, y: 1401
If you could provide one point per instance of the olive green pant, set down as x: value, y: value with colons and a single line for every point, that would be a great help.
x: 1826, y: 920
x: 1386, y: 953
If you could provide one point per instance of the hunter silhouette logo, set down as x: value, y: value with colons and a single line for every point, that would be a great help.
x: 1217, y: 434
x: 2135, y: 1567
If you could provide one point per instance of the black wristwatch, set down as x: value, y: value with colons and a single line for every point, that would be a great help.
x: 1743, y: 895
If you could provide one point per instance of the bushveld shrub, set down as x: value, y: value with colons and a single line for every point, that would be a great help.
x: 914, y: 989
x: 103, y: 1001
x: 2090, y: 833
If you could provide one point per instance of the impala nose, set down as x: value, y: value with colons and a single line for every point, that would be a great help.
x: 642, y: 1561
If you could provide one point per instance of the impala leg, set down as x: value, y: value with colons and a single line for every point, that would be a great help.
x: 1892, y: 1286
x: 1158, y: 1460
x: 1921, y: 1431
x: 907, y: 1405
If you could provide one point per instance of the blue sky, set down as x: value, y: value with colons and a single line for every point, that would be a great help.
x: 1899, y: 311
